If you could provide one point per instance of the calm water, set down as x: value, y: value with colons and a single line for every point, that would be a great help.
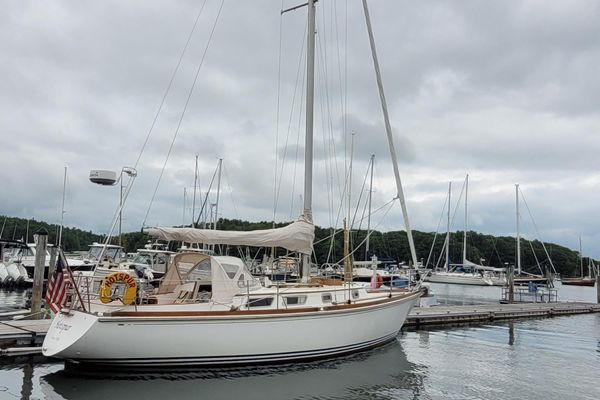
x: 555, y: 358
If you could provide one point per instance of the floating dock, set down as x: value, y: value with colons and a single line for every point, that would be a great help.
x: 24, y: 337
x: 484, y: 313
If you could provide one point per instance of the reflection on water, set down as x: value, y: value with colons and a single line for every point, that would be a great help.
x: 27, y: 386
x: 11, y: 299
x: 382, y: 373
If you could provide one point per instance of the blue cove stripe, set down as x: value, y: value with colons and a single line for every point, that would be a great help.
x: 241, y: 359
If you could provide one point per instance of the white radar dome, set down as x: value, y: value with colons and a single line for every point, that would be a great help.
x: 103, y: 177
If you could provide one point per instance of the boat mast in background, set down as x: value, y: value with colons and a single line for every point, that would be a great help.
x: 62, y: 212
x: 518, y: 233
x: 388, y: 129
x: 218, y: 193
x: 194, y: 195
x: 466, y: 221
x: 448, y: 230
x: 369, y: 214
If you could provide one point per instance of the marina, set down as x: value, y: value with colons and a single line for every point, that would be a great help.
x: 288, y: 263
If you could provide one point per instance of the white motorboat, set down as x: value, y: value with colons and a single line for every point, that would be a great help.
x: 235, y: 318
x: 12, y: 272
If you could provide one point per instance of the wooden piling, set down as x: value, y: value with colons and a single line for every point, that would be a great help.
x: 41, y: 243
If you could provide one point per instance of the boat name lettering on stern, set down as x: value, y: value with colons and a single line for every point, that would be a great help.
x: 63, y: 327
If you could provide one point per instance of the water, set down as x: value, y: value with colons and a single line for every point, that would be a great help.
x: 556, y: 358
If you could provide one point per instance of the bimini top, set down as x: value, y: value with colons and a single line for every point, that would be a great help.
x: 297, y: 236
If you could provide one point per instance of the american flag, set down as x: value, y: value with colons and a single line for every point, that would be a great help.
x: 56, y: 292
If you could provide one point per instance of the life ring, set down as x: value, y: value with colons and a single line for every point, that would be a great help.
x: 379, y: 281
x: 105, y: 291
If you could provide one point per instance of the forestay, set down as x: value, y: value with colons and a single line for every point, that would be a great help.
x: 297, y: 236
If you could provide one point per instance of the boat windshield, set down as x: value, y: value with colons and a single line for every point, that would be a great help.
x: 142, y: 259
x: 111, y: 252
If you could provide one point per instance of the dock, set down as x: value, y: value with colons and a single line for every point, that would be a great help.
x: 485, y: 313
x: 25, y: 337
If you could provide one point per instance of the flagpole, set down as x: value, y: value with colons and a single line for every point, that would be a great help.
x: 62, y: 255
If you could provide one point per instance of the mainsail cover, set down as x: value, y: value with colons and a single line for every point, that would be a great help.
x: 297, y: 236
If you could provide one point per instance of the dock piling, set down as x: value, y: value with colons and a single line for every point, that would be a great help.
x: 41, y: 243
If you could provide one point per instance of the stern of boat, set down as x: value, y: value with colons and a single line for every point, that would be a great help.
x: 66, y: 330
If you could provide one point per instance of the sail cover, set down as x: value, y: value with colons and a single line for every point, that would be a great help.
x: 297, y: 236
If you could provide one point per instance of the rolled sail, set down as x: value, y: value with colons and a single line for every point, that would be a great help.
x: 297, y: 236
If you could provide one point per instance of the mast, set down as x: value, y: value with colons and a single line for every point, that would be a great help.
x: 347, y: 226
x: 218, y: 193
x: 194, y: 196
x: 308, y: 144
x: 580, y: 258
x: 518, y: 233
x: 448, y: 229
x: 369, y: 214
x: 388, y: 129
x: 62, y: 211
x: 466, y: 222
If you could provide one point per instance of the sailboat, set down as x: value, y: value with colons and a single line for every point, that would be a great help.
x: 467, y: 273
x: 521, y: 277
x: 581, y: 280
x: 239, y: 319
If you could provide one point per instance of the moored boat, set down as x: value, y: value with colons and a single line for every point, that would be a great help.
x: 194, y: 330
x: 235, y: 318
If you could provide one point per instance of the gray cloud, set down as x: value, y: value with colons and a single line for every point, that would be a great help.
x: 507, y: 92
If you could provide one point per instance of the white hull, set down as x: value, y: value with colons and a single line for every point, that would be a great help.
x: 243, y: 338
x: 458, y: 278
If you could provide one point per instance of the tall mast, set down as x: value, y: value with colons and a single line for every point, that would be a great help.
x: 518, y: 233
x: 184, y: 201
x: 347, y: 257
x: 448, y: 229
x: 466, y: 221
x: 308, y: 144
x: 580, y: 257
x: 62, y: 210
x: 369, y: 214
x: 194, y: 196
x: 388, y: 129
x: 218, y: 194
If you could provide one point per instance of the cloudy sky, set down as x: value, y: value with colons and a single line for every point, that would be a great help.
x: 504, y: 91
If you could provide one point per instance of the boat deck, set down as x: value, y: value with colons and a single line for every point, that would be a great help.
x: 26, y: 336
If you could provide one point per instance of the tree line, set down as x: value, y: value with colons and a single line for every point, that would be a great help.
x: 497, y: 251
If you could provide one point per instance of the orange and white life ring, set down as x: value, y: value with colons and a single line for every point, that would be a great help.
x: 105, y: 291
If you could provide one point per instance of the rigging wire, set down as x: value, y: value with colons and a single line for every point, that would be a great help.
x: 536, y: 230
x: 436, y: 230
x: 164, y: 97
x: 235, y: 209
x: 277, y: 113
x: 390, y: 203
x: 299, y: 73
x: 187, y: 102
x: 202, y: 209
